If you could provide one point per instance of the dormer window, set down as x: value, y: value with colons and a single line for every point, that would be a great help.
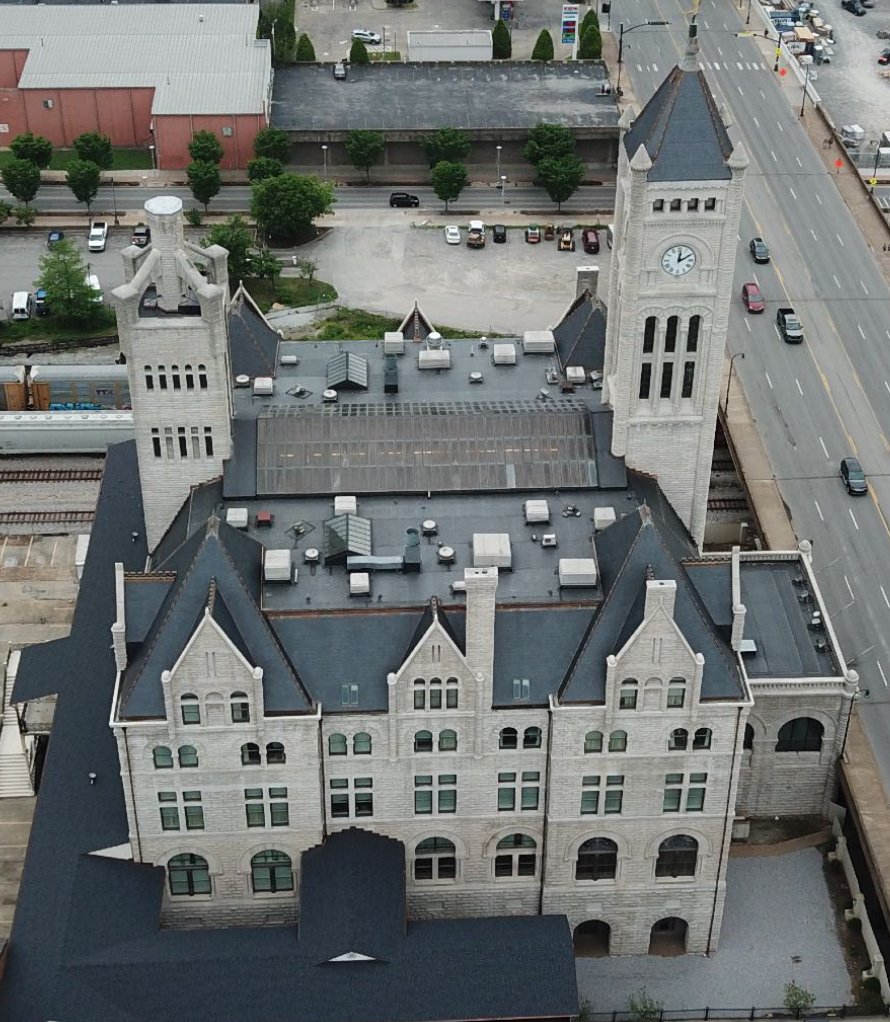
x: 629, y: 689
x: 190, y: 709
x: 240, y: 708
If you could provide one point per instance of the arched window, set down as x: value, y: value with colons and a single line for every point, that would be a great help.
x: 190, y: 709
x: 435, y: 694
x: 202, y: 377
x: 679, y: 739
x: 250, y: 754
x: 447, y: 741
x: 748, y: 742
x: 434, y: 859
x: 337, y: 745
x: 271, y: 872
x: 676, y: 693
x: 597, y: 860
x: 189, y: 378
x: 702, y: 738
x: 803, y: 734
x: 649, y: 329
x: 508, y: 738
x: 163, y: 757
x: 188, y: 874
x: 423, y: 741
x: 419, y: 694
x: 516, y: 856
x: 275, y: 753
x: 593, y: 741
x: 361, y: 744
x: 531, y: 738
x: 677, y: 856
x: 451, y: 693
x: 240, y: 708
x: 174, y: 373
x: 670, y: 334
x: 692, y: 333
x: 188, y: 756
x: 628, y: 698
x: 618, y: 741
x: 149, y: 378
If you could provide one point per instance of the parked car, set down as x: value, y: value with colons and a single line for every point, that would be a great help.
x: 340, y: 71
x: 53, y: 238
x: 533, y: 234
x: 854, y: 7
x: 476, y: 234
x: 452, y: 234
x: 884, y: 57
x: 759, y: 251
x: 141, y: 236
x: 499, y: 234
x: 403, y: 199
x: 41, y: 306
x: 590, y: 240
x: 853, y: 477
x: 752, y: 298
x: 566, y: 241
x: 367, y: 36
x: 98, y: 236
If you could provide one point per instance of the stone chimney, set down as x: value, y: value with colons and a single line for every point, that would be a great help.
x: 660, y: 593
x: 587, y: 279
x: 738, y: 608
x: 482, y: 585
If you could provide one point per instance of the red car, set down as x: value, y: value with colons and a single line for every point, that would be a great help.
x: 752, y: 298
x: 884, y: 58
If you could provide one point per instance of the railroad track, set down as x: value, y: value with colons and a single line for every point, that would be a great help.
x: 727, y: 504
x: 50, y: 475
x: 46, y: 518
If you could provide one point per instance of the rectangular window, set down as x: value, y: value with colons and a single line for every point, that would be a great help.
x: 628, y: 700
x: 506, y: 792
x: 671, y: 801
x: 183, y: 447
x: 256, y: 814
x: 168, y: 438
x: 530, y: 794
x: 169, y: 818
x: 194, y: 818
x: 695, y: 797
x: 156, y: 442
x: 675, y: 205
x: 280, y: 814
x: 521, y: 688
x: 658, y: 206
x: 590, y: 795
x: 667, y: 379
x: 208, y: 441
x: 423, y: 795
x: 196, y: 442
x: 339, y: 806
x: 525, y: 865
x: 435, y: 699
x: 688, y: 379
x: 364, y: 803
x: 692, y: 205
x: 710, y: 204
x: 419, y: 699
x: 349, y: 695
x: 614, y: 794
x: 645, y: 380
x: 451, y: 697
x: 447, y: 800
x: 676, y: 696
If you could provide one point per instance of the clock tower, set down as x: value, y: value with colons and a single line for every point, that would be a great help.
x: 677, y: 209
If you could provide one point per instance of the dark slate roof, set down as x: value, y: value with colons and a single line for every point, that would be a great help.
x: 581, y: 335
x: 253, y: 344
x: 201, y: 502
x: 143, y: 597
x: 434, y: 611
x: 682, y: 131
x: 628, y: 551
x: 217, y: 570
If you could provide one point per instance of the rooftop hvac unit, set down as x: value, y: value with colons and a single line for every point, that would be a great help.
x: 434, y: 339
x: 537, y: 511
x: 393, y: 344
x: 491, y: 550
x: 429, y: 527
x: 504, y: 355
x: 603, y: 517
x: 459, y: 587
x: 476, y: 377
x: 359, y: 583
x: 289, y: 360
x: 264, y: 386
x: 345, y: 506
x: 548, y: 540
x: 576, y: 375
x: 237, y: 517
x: 538, y: 342
x: 242, y: 380
x: 276, y: 566
x: 434, y: 358
x: 577, y: 571
x: 446, y: 555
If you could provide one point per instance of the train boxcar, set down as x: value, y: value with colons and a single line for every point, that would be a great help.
x: 78, y: 387
x: 13, y: 396
x: 63, y: 432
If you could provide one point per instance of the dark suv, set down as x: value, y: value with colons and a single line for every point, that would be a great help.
x: 854, y: 7
x: 853, y: 477
x: 141, y: 236
x: 403, y: 199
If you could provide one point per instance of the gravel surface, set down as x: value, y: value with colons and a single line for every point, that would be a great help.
x: 776, y: 907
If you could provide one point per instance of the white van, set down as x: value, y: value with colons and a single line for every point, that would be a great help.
x: 21, y: 305
x: 93, y: 281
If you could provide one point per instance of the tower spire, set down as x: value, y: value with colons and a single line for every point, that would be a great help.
x: 690, y: 60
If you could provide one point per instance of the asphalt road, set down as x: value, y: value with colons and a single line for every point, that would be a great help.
x: 57, y: 198
x: 830, y: 397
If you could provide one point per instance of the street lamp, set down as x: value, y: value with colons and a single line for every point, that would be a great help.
x: 117, y: 222
x: 622, y: 32
x: 503, y: 187
x: 738, y: 354
x: 806, y: 82
x: 154, y: 162
x: 324, y: 156
x: 498, y: 148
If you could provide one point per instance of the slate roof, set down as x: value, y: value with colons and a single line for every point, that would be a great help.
x: 253, y: 344
x: 581, y: 335
x: 682, y: 130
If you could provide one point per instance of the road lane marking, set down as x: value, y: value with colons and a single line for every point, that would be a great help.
x: 849, y: 588
x: 857, y: 381
x: 655, y: 68
x: 793, y: 196
x: 817, y: 198
x: 773, y: 155
x: 881, y: 669
x: 798, y: 162
x: 813, y: 234
x: 864, y: 288
x: 799, y: 388
x: 836, y: 280
x: 819, y: 509
x: 841, y: 240
x: 854, y: 518
x: 716, y: 66
x: 740, y: 90
x: 770, y: 382
x: 739, y: 65
x: 720, y: 51
x: 756, y: 122
x: 747, y: 324
x: 779, y: 126
x: 861, y: 331
x: 763, y: 94
x: 824, y: 448
x: 885, y: 598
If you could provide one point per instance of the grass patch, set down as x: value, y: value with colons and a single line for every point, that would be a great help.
x: 52, y: 328
x: 290, y: 291
x: 384, y: 58
x: 124, y: 159
x: 358, y: 325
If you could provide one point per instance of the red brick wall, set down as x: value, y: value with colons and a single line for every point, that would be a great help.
x: 173, y: 134
x: 11, y: 64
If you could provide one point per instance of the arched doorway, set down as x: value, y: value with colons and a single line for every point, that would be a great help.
x: 591, y: 939
x: 668, y: 937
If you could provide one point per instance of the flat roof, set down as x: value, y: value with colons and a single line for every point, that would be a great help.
x: 197, y: 62
x: 426, y: 96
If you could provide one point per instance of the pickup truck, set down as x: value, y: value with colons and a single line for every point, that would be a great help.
x: 476, y: 234
x: 98, y: 236
x: 789, y: 326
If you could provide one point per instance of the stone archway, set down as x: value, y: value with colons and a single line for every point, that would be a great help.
x: 591, y: 939
x: 668, y: 937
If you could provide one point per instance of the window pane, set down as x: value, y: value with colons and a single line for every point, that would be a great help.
x: 169, y: 818
x: 363, y: 782
x: 593, y: 741
x: 503, y: 866
x: 506, y: 799
x: 613, y: 801
x: 645, y: 380
x: 670, y: 334
x: 419, y: 699
x: 435, y: 699
x: 530, y: 798
x: 423, y: 803
x: 364, y: 804
x: 447, y: 868
x: 194, y: 818
x: 671, y: 801
x: 676, y: 696
x: 451, y: 698
x: 256, y: 814
x: 339, y: 805
x: 280, y: 814
x: 423, y: 741
x: 526, y: 865
x: 688, y: 379
x: 667, y: 379
x: 423, y: 869
x: 163, y: 757
x: 448, y: 800
x: 649, y: 335
x: 695, y: 800
x: 590, y: 801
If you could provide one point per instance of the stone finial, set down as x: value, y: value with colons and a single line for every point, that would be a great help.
x: 738, y: 158
x: 641, y: 162
x: 628, y: 116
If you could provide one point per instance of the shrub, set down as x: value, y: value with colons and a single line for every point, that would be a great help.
x: 305, y: 50
x: 543, y: 47
x: 501, y: 41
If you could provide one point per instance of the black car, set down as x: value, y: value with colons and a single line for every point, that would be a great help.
x: 499, y: 234
x: 141, y: 236
x: 759, y: 251
x: 853, y: 477
x: 53, y: 238
x: 854, y: 7
x: 403, y: 199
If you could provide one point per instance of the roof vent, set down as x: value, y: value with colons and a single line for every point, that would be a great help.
x: 577, y: 571
x: 504, y: 355
x: 434, y: 340
x: 237, y: 517
x: 242, y: 380
x: 538, y: 342
x: 344, y: 505
x: 537, y: 511
x: 491, y: 550
x: 412, y: 551
x: 446, y: 555
x: 329, y: 396
x: 393, y: 343
x: 603, y: 517
x: 311, y: 556
x: 289, y: 360
x: 477, y: 378
x: 576, y: 376
x: 430, y: 528
x: 548, y: 540
x: 359, y: 583
x: 276, y: 566
x: 263, y: 386
x: 434, y: 358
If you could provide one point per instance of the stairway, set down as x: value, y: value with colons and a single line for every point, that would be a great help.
x: 15, y: 768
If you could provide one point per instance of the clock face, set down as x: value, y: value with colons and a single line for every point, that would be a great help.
x: 678, y: 259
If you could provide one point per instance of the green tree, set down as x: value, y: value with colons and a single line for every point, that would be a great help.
x: 590, y: 18
x: 21, y: 178
x: 543, y: 47
x: 284, y: 41
x: 307, y: 268
x: 561, y: 176
x: 305, y: 50
x: 449, y: 144
x: 591, y: 45
x: 501, y: 41
x: 5, y: 210
x: 34, y: 148
x: 285, y: 206
x: 548, y: 140
x: 643, y: 1008
x: 234, y: 236
x: 358, y: 53
x: 205, y: 147
x: 24, y: 215
x: 265, y: 265
x: 274, y: 143
x: 95, y: 148
x: 63, y: 275
x: 82, y: 178
x: 365, y: 148
x: 798, y: 1000
x: 262, y: 167
x: 203, y: 179
x: 449, y: 180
